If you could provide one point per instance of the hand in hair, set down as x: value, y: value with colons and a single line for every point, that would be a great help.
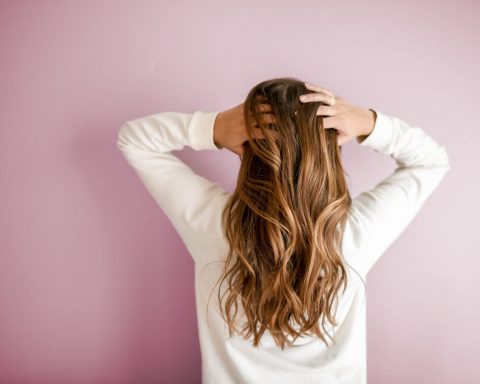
x: 230, y: 130
x: 349, y: 120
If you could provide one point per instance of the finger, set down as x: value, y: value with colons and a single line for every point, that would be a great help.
x: 266, y: 118
x: 329, y: 122
x: 258, y: 134
x: 317, y: 88
x: 325, y: 110
x: 264, y: 107
x: 308, y: 97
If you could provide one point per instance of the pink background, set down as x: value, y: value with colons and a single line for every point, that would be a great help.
x: 95, y: 284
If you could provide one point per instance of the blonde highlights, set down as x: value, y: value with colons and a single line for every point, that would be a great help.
x: 285, y: 220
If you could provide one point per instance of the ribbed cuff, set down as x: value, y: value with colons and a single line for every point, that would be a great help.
x: 200, y: 130
x: 381, y: 135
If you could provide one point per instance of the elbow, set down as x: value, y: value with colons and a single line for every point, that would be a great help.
x: 445, y: 160
x: 123, y: 134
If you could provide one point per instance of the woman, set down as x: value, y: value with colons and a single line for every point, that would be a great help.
x: 288, y: 252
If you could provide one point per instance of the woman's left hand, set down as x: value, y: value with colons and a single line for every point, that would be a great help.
x: 230, y: 130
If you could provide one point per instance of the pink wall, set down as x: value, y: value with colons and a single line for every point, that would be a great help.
x: 95, y: 285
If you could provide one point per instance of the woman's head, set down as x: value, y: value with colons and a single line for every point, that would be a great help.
x: 295, y: 122
x: 285, y: 219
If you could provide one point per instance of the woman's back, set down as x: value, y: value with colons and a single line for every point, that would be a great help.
x: 235, y: 360
x: 194, y: 205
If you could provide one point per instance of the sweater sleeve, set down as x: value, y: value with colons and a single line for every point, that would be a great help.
x: 191, y: 202
x: 379, y: 215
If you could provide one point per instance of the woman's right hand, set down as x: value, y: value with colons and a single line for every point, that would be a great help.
x: 349, y: 120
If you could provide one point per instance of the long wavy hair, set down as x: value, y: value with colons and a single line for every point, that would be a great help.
x: 285, y: 220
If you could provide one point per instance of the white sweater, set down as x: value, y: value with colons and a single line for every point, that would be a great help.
x: 193, y: 204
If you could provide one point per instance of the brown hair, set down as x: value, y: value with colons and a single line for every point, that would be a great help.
x: 285, y: 220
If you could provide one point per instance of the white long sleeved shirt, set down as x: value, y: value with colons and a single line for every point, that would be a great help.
x: 193, y: 204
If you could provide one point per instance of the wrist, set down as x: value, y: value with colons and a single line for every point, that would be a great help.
x: 370, y: 119
x: 216, y: 131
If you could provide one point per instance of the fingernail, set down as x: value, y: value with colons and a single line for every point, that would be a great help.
x: 303, y: 98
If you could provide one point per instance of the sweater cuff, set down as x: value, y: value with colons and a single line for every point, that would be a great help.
x: 200, y: 130
x: 381, y: 136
